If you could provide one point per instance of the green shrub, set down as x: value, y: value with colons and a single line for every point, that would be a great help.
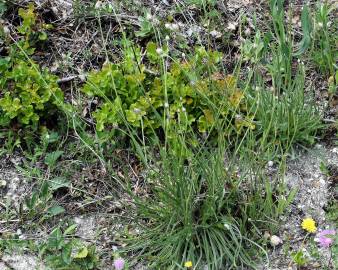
x: 32, y: 30
x: 27, y: 93
x: 190, y: 93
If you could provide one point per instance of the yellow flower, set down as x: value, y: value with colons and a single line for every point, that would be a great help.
x: 188, y: 264
x: 309, y: 225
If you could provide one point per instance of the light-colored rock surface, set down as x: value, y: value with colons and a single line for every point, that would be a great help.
x: 20, y: 262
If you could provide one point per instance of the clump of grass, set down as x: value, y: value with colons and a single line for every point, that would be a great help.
x: 286, y: 119
x: 207, y: 205
x: 322, y: 51
x: 196, y: 211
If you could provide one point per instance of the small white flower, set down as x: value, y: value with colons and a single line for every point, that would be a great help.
x: 6, y: 30
x: 167, y: 38
x: 320, y: 25
x: 174, y: 27
x: 82, y: 77
x: 149, y: 16
x: 166, y: 105
x: 232, y: 26
x: 215, y: 34
x: 270, y: 163
x: 159, y: 50
x: 266, y: 235
x: 275, y: 240
x: 183, y: 55
x: 3, y: 183
x: 137, y: 110
x: 183, y: 109
x: 98, y: 5
x: 247, y: 31
x: 18, y: 232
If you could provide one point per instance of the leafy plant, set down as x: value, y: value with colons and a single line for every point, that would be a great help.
x: 183, y: 96
x: 299, y: 258
x: 62, y: 251
x: 28, y: 93
x: 32, y: 29
x: 147, y: 24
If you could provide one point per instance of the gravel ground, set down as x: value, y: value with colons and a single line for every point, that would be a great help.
x: 313, y: 195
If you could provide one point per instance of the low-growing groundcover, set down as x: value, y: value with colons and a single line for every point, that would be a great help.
x: 195, y: 138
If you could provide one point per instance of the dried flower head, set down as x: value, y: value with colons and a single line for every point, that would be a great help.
x: 275, y: 240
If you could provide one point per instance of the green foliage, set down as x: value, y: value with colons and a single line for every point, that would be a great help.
x: 146, y: 25
x: 307, y: 26
x: 184, y: 96
x: 62, y: 251
x: 199, y: 210
x: 285, y: 119
x: 202, y: 3
x: 299, y: 258
x: 3, y: 8
x: 252, y: 50
x: 32, y: 29
x: 323, y: 52
x: 28, y: 93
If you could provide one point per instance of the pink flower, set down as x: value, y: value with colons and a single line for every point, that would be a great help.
x: 325, y: 238
x: 119, y: 264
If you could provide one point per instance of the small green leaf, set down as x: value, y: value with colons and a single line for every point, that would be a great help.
x: 3, y: 8
x: 82, y: 253
x: 151, y: 52
x: 43, y: 36
x: 52, y: 157
x: 305, y: 43
x: 58, y: 182
x: 70, y: 230
x: 56, y: 210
